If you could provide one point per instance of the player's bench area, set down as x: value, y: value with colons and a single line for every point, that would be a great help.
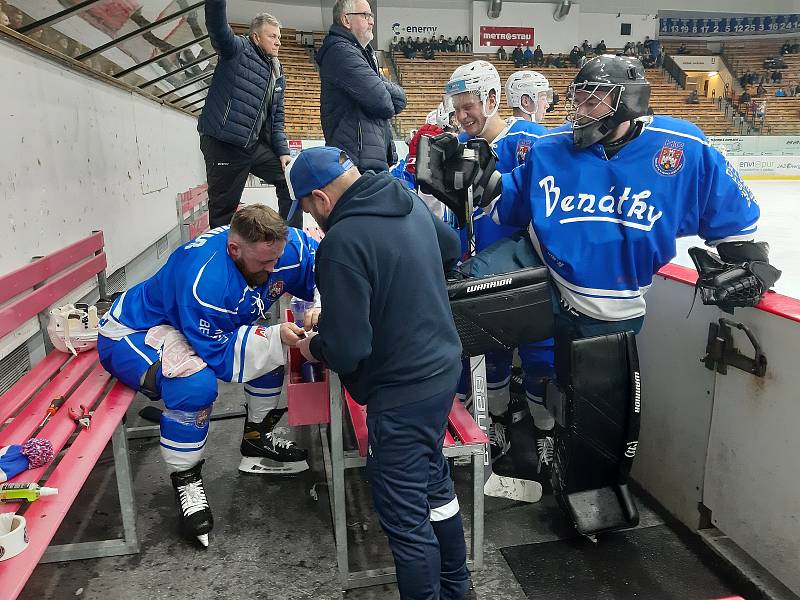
x: 306, y: 407
x: 27, y: 293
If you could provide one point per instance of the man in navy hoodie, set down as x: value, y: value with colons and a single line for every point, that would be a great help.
x: 387, y: 330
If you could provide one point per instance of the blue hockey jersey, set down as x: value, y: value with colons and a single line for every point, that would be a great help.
x: 511, y: 146
x: 605, y: 227
x: 201, y: 293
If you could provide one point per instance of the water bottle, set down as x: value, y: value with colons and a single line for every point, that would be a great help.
x: 299, y: 308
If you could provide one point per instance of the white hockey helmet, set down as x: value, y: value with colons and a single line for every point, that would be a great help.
x: 432, y: 117
x: 73, y: 330
x: 445, y: 112
x: 479, y: 77
x: 527, y: 83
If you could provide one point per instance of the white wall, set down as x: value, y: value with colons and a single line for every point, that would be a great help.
x: 603, y: 26
x: 80, y: 155
x: 447, y: 22
x: 296, y: 16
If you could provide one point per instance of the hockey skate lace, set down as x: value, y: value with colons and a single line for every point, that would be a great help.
x: 497, y: 435
x: 278, y: 442
x: 193, y: 498
x: 545, y: 451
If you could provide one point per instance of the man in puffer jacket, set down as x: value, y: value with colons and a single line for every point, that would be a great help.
x: 356, y: 102
x: 242, y: 123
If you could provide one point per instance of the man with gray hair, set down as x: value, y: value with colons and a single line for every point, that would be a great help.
x: 356, y: 101
x: 242, y: 123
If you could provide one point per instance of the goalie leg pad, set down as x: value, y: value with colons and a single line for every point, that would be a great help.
x: 597, y: 411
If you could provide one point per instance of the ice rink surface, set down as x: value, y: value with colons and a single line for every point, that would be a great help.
x: 779, y: 225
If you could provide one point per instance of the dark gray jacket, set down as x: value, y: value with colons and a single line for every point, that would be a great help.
x: 242, y: 79
x: 356, y: 102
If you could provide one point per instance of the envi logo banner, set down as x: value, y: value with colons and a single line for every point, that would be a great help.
x: 506, y: 36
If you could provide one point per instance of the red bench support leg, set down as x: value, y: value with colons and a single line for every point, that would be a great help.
x: 129, y: 544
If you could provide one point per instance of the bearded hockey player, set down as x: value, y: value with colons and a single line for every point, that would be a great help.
x: 475, y: 90
x: 193, y: 323
x: 604, y: 200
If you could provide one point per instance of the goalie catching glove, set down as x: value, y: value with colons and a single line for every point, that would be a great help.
x: 739, y: 276
x: 446, y: 168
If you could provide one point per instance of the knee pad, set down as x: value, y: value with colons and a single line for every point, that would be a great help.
x: 190, y: 394
x: 597, y: 416
x: 537, y: 363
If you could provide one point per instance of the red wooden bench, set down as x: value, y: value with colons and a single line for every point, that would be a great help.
x: 193, y: 212
x: 26, y: 293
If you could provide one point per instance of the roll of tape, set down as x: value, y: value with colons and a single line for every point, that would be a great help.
x: 16, y: 540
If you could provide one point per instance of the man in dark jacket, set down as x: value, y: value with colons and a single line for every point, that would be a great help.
x: 388, y: 331
x: 241, y: 126
x: 356, y: 102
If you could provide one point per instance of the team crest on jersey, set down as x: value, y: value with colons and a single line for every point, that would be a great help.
x: 275, y: 289
x: 523, y: 148
x: 669, y: 159
x: 201, y: 418
x: 261, y: 331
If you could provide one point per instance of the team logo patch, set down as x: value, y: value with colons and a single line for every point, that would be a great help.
x: 275, y: 289
x: 669, y: 160
x: 522, y: 151
x: 261, y: 330
x: 201, y: 418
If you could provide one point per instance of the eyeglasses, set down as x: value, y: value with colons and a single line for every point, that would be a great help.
x: 367, y: 15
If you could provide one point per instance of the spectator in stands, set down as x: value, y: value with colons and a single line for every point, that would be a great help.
x: 451, y: 45
x: 467, y: 44
x: 693, y: 98
x: 780, y: 93
x: 761, y: 91
x: 356, y: 102
x: 786, y: 48
x: 459, y: 44
x: 528, y: 56
x: 559, y: 61
x: 629, y: 49
x: 601, y: 48
x: 640, y: 49
x: 575, y: 56
x: 538, y: 56
x: 502, y: 55
x: 586, y: 49
x: 518, y: 57
x: 4, y: 20
x: 389, y: 334
x: 401, y: 45
x: 777, y: 76
x: 682, y: 49
x: 660, y: 57
x: 745, y: 99
x: 242, y: 124
x: 797, y: 89
x: 428, y: 53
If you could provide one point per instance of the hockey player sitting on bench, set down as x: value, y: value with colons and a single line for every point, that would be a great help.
x: 210, y: 293
x: 603, y: 229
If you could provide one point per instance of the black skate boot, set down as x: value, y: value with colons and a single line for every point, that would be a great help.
x: 263, y: 451
x: 193, y: 512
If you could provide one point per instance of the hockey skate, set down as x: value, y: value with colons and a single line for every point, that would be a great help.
x: 194, y: 513
x: 498, y: 442
x: 263, y: 451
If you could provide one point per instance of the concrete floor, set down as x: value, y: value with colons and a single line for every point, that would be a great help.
x: 272, y: 538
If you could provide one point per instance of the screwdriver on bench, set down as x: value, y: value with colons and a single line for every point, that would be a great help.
x: 52, y: 409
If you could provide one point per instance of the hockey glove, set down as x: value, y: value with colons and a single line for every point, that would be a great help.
x: 739, y: 276
x: 487, y: 182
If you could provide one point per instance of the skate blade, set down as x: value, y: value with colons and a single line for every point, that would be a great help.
x: 266, y: 466
x: 521, y: 490
x: 203, y: 539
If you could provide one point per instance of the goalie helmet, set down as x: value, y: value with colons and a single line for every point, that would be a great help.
x: 73, y: 329
x: 607, y: 91
x: 527, y: 83
x: 478, y: 77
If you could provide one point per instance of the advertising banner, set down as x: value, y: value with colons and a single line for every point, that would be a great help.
x: 506, y: 36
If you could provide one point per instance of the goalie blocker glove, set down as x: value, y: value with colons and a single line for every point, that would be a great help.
x: 739, y: 276
x: 446, y: 168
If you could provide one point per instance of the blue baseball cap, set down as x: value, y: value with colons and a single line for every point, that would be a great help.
x: 313, y: 169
